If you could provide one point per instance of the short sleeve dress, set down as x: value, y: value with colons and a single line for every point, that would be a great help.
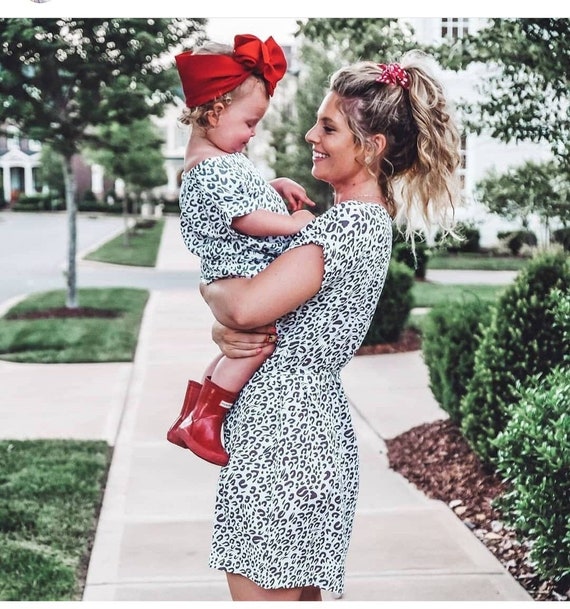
x: 212, y: 194
x: 286, y: 500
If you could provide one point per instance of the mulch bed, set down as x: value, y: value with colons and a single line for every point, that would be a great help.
x: 64, y: 312
x: 410, y: 340
x: 436, y: 458
x: 438, y: 461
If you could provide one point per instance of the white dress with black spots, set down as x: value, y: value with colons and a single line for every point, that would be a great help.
x: 286, y: 500
x: 212, y: 194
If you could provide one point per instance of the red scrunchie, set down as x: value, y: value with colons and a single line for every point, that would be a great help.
x: 393, y: 74
x: 206, y: 77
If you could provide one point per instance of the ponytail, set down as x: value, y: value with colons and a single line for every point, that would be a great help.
x: 417, y: 171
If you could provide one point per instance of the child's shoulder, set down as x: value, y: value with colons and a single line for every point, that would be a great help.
x: 222, y: 160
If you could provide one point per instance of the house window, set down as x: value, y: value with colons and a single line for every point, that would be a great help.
x: 454, y: 27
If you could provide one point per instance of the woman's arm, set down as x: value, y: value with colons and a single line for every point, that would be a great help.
x: 289, y: 281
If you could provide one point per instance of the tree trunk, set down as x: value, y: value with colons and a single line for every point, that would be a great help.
x: 69, y: 179
x: 126, y: 235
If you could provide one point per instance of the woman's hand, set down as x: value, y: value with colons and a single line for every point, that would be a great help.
x: 237, y: 343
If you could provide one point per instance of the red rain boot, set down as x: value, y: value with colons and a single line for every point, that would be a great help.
x: 201, y: 432
x: 192, y: 392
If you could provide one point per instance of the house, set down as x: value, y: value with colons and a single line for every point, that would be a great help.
x: 19, y: 165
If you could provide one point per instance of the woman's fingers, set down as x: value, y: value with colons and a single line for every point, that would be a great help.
x: 235, y: 343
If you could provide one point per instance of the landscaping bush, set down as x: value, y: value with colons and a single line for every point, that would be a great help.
x: 37, y: 203
x: 520, y: 341
x: 450, y: 336
x: 469, y: 242
x: 562, y: 236
x: 416, y: 260
x: 514, y: 240
x: 393, y: 307
x: 533, y: 455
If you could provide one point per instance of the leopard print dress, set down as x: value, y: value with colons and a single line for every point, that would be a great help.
x: 212, y: 194
x: 286, y: 500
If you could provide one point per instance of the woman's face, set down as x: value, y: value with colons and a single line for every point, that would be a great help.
x: 335, y: 153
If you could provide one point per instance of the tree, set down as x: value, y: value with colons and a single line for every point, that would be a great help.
x: 62, y: 78
x: 133, y: 154
x: 532, y: 188
x: 326, y: 45
x: 525, y: 93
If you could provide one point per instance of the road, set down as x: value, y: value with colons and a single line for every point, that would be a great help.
x: 33, y: 256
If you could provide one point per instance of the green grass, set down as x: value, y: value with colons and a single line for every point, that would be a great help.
x: 75, y: 339
x: 482, y: 262
x: 142, y: 249
x: 50, y: 494
x: 428, y: 294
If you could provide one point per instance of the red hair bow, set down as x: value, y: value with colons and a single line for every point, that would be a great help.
x: 393, y: 74
x: 206, y: 77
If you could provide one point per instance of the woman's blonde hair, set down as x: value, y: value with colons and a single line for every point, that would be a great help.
x: 198, y: 115
x: 417, y: 170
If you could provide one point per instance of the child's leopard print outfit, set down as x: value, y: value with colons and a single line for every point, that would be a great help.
x: 212, y: 194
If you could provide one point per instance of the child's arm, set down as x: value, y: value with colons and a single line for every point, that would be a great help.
x: 264, y: 223
x: 293, y: 193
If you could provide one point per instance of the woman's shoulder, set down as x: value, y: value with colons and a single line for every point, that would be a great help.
x: 355, y: 213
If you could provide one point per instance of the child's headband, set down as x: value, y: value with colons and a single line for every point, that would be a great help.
x: 206, y: 77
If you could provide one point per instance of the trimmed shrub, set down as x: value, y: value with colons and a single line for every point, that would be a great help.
x: 394, y: 306
x: 562, y: 236
x: 450, y: 336
x: 514, y: 240
x: 533, y: 455
x: 520, y: 341
x: 403, y: 252
x: 470, y: 238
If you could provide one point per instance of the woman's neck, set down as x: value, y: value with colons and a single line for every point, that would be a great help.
x: 366, y: 192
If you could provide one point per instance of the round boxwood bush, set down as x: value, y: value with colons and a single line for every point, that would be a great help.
x: 533, y: 455
x: 394, y: 306
x: 450, y: 337
x: 562, y: 236
x: 521, y: 340
x: 516, y: 239
x: 415, y: 258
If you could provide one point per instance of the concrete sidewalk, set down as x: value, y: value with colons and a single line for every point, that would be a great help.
x: 153, y: 535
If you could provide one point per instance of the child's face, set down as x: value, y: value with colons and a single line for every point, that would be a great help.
x: 237, y: 122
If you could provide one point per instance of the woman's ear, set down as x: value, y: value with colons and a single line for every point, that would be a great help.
x: 379, y: 141
x: 214, y: 114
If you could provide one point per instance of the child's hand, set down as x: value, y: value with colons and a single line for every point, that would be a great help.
x: 293, y: 193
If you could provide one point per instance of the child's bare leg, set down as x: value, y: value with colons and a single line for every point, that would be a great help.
x: 212, y: 366
x: 233, y: 374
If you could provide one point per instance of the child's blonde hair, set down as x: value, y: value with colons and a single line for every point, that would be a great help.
x: 418, y: 167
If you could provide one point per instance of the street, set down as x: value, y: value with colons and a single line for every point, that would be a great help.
x: 33, y: 256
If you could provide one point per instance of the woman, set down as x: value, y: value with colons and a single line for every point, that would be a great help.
x: 286, y: 499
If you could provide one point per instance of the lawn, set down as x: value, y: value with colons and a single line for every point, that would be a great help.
x: 481, y: 262
x: 428, y: 294
x: 39, y: 330
x: 138, y: 248
x: 51, y: 492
